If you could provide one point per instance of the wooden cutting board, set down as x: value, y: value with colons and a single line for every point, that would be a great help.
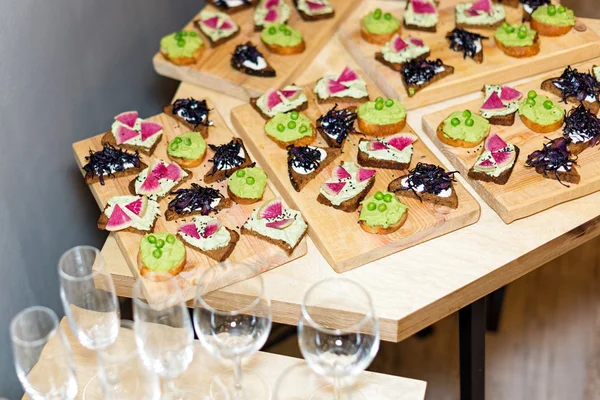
x: 468, y: 76
x: 262, y: 255
x: 214, y: 71
x: 336, y: 233
x: 526, y: 192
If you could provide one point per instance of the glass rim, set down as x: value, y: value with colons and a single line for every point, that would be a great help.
x: 143, y: 301
x: 91, y: 275
x: 36, y: 342
x: 336, y: 331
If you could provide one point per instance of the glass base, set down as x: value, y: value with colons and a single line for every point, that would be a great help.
x: 93, y: 390
x: 327, y: 393
x: 254, y: 387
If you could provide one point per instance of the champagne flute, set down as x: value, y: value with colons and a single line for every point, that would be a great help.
x: 123, y: 375
x: 343, y: 348
x: 233, y: 326
x: 163, y: 331
x: 42, y: 355
x: 90, y: 303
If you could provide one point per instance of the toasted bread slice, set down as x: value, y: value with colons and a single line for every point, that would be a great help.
x: 219, y: 42
x: 300, y: 180
x: 414, y: 27
x: 254, y: 105
x: 380, y: 130
x: 220, y: 175
x: 412, y: 89
x: 541, y: 128
x: 349, y: 205
x: 160, y: 276
x: 286, y: 50
x: 109, y: 138
x: 220, y: 254
x: 366, y: 161
x: 380, y: 230
x: 374, y: 38
x: 548, y: 85
x: 571, y: 176
x: 185, y: 60
x: 189, y: 176
x: 520, y: 51
x: 203, y: 129
x: 397, y: 66
x: 508, y: 3
x: 187, y: 162
x: 242, y: 200
x: 577, y: 148
x: 498, y: 180
x: 304, y: 141
x: 233, y: 10
x: 450, y: 201
x: 312, y: 18
x: 456, y: 142
x: 495, y: 25
x: 347, y: 99
x: 285, y: 246
x: 89, y: 179
x: 544, y: 29
x: 503, y: 120
x: 103, y: 220
x: 171, y: 215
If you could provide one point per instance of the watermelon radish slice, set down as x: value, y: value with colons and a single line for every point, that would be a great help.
x: 226, y: 25
x: 335, y: 87
x: 333, y: 188
x: 503, y: 158
x: 481, y: 5
x: 125, y: 134
x: 271, y: 209
x: 400, y: 141
x: 290, y: 93
x: 211, y: 228
x: 150, y: 185
x: 416, y: 41
x: 128, y: 118
x: 272, y: 15
x: 150, y: 129
x: 173, y: 172
x: 509, y: 94
x: 347, y: 75
x: 493, y: 103
x: 375, y: 145
x: 271, y: 3
x: 423, y: 7
x: 314, y: 6
x: 138, y: 206
x: 486, y: 163
x: 211, y: 22
x: 159, y: 170
x: 398, y: 44
x: 273, y: 99
x: 282, y: 224
x: 118, y: 220
x: 365, y: 174
x: 494, y: 143
x: 340, y: 172
x: 190, y: 230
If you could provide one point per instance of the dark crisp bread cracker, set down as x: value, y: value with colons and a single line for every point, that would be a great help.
x: 103, y: 220
x: 185, y: 178
x: 171, y: 215
x: 481, y: 26
x: 312, y: 18
x: 89, y: 179
x: 396, y: 187
x: 419, y: 28
x: 224, y: 174
x: 366, y: 161
x: 267, y: 72
x: 503, y: 120
x: 448, y: 70
x: 220, y: 254
x: 397, y: 66
x: 500, y: 179
x: 203, y: 129
x: 548, y: 86
x: 288, y: 249
x: 349, y: 205
x: 110, y: 139
x: 299, y: 181
x: 219, y: 42
x: 571, y: 176
x: 253, y: 101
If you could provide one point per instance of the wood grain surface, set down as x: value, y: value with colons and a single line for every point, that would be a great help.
x: 468, y: 76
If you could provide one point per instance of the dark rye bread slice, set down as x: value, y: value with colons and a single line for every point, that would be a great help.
x: 398, y: 66
x: 414, y: 27
x: 508, y: 3
x: 548, y: 85
x: 254, y: 105
x: 299, y: 180
x: 222, y: 174
x: 219, y: 42
x: 571, y: 176
x: 346, y: 99
x: 481, y: 26
x: 171, y: 215
x: 331, y: 142
x: 220, y: 254
x: 577, y: 148
x: 89, y: 179
x: 498, y: 180
x: 448, y: 70
x: 103, y: 220
x: 286, y: 247
x: 203, y: 129
x: 232, y: 10
x: 267, y: 72
x: 190, y: 175
x: 352, y: 204
x: 312, y: 18
x: 109, y: 138
x: 450, y: 201
x: 503, y: 120
x: 366, y: 161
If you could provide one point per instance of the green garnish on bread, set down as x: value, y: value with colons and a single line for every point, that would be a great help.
x: 463, y: 129
x: 541, y: 114
x: 182, y: 48
x: 550, y: 20
x: 382, y: 213
x: 247, y: 185
x: 381, y: 117
x: 161, y: 255
x: 188, y: 149
x: 293, y: 128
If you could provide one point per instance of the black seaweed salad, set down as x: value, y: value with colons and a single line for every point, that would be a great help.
x: 193, y: 111
x: 305, y: 157
x: 245, y: 52
x: 108, y: 161
x: 417, y: 72
x: 465, y: 41
x: 573, y: 83
x: 196, y: 198
x: 581, y: 125
x: 227, y: 156
x: 433, y: 178
x: 338, y: 123
x: 534, y: 4
x: 554, y: 156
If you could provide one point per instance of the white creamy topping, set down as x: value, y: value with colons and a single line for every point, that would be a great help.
x: 234, y: 3
x: 283, y: 14
x: 421, y: 188
x: 258, y: 65
x: 285, y: 105
x: 165, y: 185
x: 142, y: 223
x: 304, y: 171
x: 303, y: 6
x: 497, y: 14
x: 487, y: 155
x: 217, y: 33
x: 219, y: 239
x: 113, y: 168
x: 590, y: 97
x: 437, y: 70
x: 351, y: 189
x: 528, y: 9
x: 356, y: 89
x: 409, y: 53
x: 136, y: 141
x: 290, y: 235
x: 389, y: 154
x: 509, y: 108
x: 423, y: 20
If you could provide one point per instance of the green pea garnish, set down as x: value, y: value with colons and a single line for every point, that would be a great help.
x: 272, y: 30
x: 455, y: 121
x: 294, y: 115
x: 152, y: 239
x: 192, y: 34
x: 531, y: 94
x: 160, y: 243
x: 562, y: 9
x: 240, y: 173
x: 177, y: 140
x: 184, y: 33
x: 548, y: 104
x: 280, y: 127
x: 292, y: 125
x: 387, y: 198
x: 187, y: 141
x: 283, y: 28
x: 466, y: 113
x: 510, y: 29
x: 551, y: 9
x: 371, y: 206
x: 250, y: 180
x: 411, y: 91
x: 523, y: 28
x: 170, y: 239
x: 287, y: 33
x: 387, y: 16
x: 382, y: 207
x: 378, y: 196
x: 377, y: 13
x: 505, y: 25
x: 389, y: 102
x: 174, y: 146
x: 379, y: 106
x: 303, y: 128
x: 157, y: 253
x: 469, y: 122
x: 379, y: 100
x: 531, y: 102
x: 181, y: 43
x: 522, y: 34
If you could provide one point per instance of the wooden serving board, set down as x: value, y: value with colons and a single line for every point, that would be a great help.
x: 337, y: 234
x: 526, y: 192
x: 468, y: 76
x: 262, y: 255
x: 214, y: 70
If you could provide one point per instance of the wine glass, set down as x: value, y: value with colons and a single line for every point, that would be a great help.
x: 299, y: 382
x: 234, y: 326
x: 42, y: 355
x: 123, y: 375
x: 340, y: 348
x: 90, y: 303
x: 163, y: 331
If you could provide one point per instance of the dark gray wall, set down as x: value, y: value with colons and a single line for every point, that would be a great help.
x: 67, y: 67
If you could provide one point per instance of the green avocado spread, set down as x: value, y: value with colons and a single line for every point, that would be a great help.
x: 281, y: 35
x: 466, y: 126
x: 382, y: 111
x: 248, y: 183
x: 515, y: 35
x: 181, y: 44
x: 162, y: 251
x: 379, y: 23
x: 540, y: 109
x: 382, y: 209
x: 189, y: 145
x: 553, y: 15
x: 289, y: 127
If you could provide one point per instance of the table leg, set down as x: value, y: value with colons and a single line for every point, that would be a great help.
x: 495, y: 301
x: 471, y: 326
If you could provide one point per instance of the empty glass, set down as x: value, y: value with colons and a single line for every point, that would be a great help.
x: 163, y: 332
x: 339, y: 347
x: 42, y: 355
x: 234, y: 326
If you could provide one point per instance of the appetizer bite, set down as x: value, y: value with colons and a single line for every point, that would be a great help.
x: 217, y: 26
x: 314, y: 10
x: 427, y: 182
x: 517, y: 40
x: 275, y: 223
x: 159, y: 179
x: 381, y: 117
x: 306, y: 162
x: 529, y: 6
x: 397, y: 52
x: 575, y: 87
x: 418, y: 74
x: 293, y: 128
x: 134, y: 214
x: 191, y: 113
x: 481, y: 14
x: 347, y: 187
x: 272, y: 102
x: 555, y: 161
x: 335, y: 126
x: 508, y: 3
x: 248, y: 60
x: 130, y: 132
x: 112, y: 163
x: 188, y: 149
x: 348, y: 86
x: 551, y: 20
x: 540, y: 114
x: 382, y: 214
x: 378, y: 27
x: 463, y: 129
x: 500, y: 104
x: 467, y: 42
x: 195, y: 200
x: 282, y: 39
x: 228, y: 158
x: 247, y: 185
x: 210, y: 237
x: 421, y: 15
x: 182, y: 48
x: 269, y: 12
x: 496, y: 162
x: 161, y: 255
x: 391, y: 152
x: 232, y: 6
x: 582, y: 128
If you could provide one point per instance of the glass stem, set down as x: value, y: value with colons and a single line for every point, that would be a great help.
x: 337, y: 388
x: 237, y: 377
